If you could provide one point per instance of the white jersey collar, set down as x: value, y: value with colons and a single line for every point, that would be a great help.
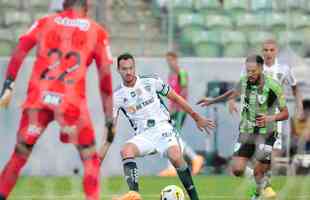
x: 276, y: 63
x: 136, y: 83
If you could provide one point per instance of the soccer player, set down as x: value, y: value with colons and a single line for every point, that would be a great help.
x: 178, y: 81
x: 261, y: 97
x: 66, y: 43
x: 139, y: 98
x: 284, y: 75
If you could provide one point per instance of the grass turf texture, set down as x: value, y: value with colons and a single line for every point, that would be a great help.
x: 209, y: 187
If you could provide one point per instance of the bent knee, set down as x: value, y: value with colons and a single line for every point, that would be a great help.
x: 129, y: 151
x: 24, y: 148
x: 238, y: 172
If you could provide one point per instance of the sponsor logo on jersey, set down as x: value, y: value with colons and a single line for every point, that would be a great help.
x: 82, y: 24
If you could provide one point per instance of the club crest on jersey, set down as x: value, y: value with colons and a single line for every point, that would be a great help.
x: 82, y: 24
x: 261, y: 99
x: 133, y: 94
x: 125, y: 100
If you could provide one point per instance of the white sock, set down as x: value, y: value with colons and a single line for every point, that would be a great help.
x: 249, y: 172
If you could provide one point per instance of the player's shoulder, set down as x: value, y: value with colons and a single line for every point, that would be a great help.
x: 118, y: 90
x: 147, y: 77
x: 272, y: 83
x: 283, y: 66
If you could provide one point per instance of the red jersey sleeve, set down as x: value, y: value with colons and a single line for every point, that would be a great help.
x: 26, y: 42
x: 103, y: 54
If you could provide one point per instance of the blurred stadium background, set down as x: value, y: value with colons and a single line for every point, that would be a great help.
x: 211, y: 37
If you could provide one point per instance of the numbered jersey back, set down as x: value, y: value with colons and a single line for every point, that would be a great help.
x: 67, y: 43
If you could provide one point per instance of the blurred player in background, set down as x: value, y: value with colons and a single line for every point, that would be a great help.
x: 66, y: 43
x: 139, y: 98
x: 284, y: 75
x: 262, y: 106
x: 178, y: 81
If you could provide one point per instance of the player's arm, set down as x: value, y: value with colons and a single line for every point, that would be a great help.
x: 297, y: 94
x: 16, y: 60
x: 103, y: 60
x: 280, y: 100
x: 201, y: 122
x: 227, y: 96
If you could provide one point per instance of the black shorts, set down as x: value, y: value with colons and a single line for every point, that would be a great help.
x: 257, y: 145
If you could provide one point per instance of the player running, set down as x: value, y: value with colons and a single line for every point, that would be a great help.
x: 67, y: 43
x: 139, y: 98
x: 284, y: 75
x: 178, y: 81
x: 261, y: 96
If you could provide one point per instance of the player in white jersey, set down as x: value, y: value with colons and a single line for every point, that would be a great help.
x: 139, y: 98
x: 282, y: 73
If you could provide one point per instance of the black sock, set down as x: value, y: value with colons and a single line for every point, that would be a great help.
x: 187, y: 181
x: 131, y: 173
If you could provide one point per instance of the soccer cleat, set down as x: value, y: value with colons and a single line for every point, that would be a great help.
x: 197, y: 164
x: 269, y: 193
x: 168, y: 172
x: 131, y: 195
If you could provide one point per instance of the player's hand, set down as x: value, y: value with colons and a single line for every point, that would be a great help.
x: 204, y: 124
x: 110, y: 133
x: 205, y: 102
x: 232, y: 107
x: 262, y: 120
x: 5, y: 98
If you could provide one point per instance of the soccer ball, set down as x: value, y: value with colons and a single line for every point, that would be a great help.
x: 172, y: 192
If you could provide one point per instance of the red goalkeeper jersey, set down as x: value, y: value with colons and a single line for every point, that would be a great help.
x: 67, y: 43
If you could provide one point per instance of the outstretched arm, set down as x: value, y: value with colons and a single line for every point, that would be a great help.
x: 17, y: 58
x: 201, y: 122
x: 230, y: 94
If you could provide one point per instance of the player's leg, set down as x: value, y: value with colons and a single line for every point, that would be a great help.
x: 76, y: 128
x: 91, y: 165
x: 176, y: 158
x: 264, y: 148
x: 32, y: 125
x: 243, y: 153
x: 196, y: 160
x: 128, y: 153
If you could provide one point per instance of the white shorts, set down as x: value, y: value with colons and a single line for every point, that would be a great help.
x: 156, y: 140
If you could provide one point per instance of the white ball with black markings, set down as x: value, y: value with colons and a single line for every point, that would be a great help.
x: 172, y: 192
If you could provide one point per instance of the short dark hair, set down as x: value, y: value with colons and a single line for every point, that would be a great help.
x: 71, y: 3
x: 172, y: 54
x: 255, y: 58
x: 124, y: 56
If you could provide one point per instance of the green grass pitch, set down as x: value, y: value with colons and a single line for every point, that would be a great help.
x: 209, y: 187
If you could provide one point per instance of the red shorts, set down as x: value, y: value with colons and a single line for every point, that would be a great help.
x: 75, y: 125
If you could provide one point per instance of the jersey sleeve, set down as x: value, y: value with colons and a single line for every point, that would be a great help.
x: 278, y: 91
x: 161, y: 87
x: 33, y: 32
x: 290, y: 77
x: 103, y: 54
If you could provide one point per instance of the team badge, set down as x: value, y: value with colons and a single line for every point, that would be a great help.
x: 133, y: 94
x: 261, y: 99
